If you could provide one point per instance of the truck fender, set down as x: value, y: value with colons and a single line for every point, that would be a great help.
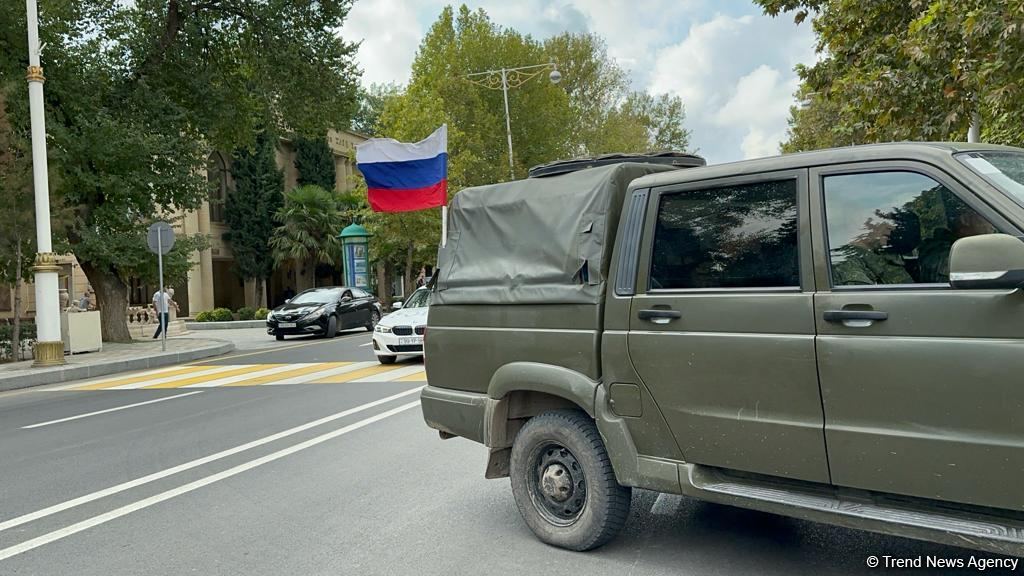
x: 545, y: 378
x: 500, y: 428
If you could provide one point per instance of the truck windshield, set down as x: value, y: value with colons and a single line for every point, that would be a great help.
x: 1005, y: 170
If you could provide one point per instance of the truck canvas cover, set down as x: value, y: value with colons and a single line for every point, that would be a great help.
x: 535, y: 241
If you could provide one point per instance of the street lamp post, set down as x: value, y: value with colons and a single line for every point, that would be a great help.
x: 505, y: 78
x: 49, y: 348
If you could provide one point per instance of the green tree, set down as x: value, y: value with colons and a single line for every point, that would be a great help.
x: 250, y: 208
x: 371, y: 104
x: 308, y: 226
x: 137, y: 93
x: 592, y: 111
x: 314, y: 162
x: 17, y: 212
x: 908, y: 70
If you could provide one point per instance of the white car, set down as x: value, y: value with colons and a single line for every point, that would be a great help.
x: 401, y: 332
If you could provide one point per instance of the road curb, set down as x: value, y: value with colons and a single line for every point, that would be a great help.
x: 29, y: 378
x: 234, y: 324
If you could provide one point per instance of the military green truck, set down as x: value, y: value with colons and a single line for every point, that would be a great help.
x: 835, y: 335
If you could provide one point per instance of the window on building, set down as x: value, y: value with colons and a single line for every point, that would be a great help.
x: 216, y: 175
x: 5, y: 297
x: 733, y: 237
x: 894, y: 228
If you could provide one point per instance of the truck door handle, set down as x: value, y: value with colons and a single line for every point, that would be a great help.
x: 657, y: 314
x: 844, y: 315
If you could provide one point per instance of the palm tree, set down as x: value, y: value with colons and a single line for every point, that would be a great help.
x: 308, y: 226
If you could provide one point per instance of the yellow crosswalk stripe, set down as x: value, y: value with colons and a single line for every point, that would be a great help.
x: 135, y: 379
x: 216, y: 376
x: 420, y: 376
x: 289, y: 374
x: 357, y: 374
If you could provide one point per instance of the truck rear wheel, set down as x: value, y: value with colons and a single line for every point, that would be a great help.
x: 563, y: 482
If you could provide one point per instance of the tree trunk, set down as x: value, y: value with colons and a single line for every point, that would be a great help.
x: 408, y: 288
x: 383, y: 290
x: 112, y: 302
x: 16, y: 334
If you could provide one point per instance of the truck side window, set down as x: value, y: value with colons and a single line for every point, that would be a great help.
x: 742, y: 236
x: 894, y: 228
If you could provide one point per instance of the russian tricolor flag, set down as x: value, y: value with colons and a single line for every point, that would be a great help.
x: 401, y: 177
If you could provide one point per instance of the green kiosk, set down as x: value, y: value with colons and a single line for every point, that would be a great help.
x: 355, y: 242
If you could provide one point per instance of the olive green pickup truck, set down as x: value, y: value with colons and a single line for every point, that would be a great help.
x: 835, y: 335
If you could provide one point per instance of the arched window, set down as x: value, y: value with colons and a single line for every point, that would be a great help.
x: 216, y: 175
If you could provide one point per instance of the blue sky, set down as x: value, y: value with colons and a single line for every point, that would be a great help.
x: 731, y: 65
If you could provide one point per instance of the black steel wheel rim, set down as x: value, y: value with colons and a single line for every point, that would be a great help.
x: 557, y: 484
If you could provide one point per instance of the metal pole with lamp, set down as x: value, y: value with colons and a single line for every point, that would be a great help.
x: 49, y: 347
x: 505, y: 78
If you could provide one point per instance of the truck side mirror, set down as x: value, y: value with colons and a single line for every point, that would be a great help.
x: 987, y: 262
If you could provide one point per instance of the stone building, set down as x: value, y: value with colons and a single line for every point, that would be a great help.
x: 212, y: 281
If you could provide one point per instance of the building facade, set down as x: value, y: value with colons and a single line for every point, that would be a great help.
x: 212, y: 282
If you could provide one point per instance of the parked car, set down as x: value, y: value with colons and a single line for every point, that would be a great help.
x: 401, y: 332
x: 835, y: 336
x: 324, y: 311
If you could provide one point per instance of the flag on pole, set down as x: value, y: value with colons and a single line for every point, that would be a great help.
x: 401, y: 177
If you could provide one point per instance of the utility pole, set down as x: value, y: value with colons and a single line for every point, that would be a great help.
x: 49, y: 348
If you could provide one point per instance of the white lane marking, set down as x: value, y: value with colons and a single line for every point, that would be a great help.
x: 246, y: 376
x: 666, y: 504
x: 144, y: 383
x: 323, y: 374
x: 115, y: 409
x: 195, y: 485
x: 370, y: 343
x: 68, y: 504
x: 391, y: 375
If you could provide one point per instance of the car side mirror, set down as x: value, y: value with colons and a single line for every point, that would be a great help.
x: 989, y: 261
x: 396, y: 305
x: 288, y: 300
x: 346, y: 298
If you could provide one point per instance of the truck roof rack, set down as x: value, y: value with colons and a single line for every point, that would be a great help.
x: 677, y: 159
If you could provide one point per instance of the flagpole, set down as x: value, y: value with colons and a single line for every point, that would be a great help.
x: 444, y: 225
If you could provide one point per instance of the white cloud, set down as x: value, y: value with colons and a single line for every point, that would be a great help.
x: 734, y: 73
x: 390, y: 34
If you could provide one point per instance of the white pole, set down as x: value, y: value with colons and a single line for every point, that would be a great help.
x: 508, y: 123
x: 444, y: 225
x: 49, y: 349
x: 163, y: 297
x: 974, y: 132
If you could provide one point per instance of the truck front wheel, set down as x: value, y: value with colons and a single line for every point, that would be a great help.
x: 563, y: 482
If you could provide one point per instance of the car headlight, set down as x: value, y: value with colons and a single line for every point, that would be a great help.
x: 383, y: 329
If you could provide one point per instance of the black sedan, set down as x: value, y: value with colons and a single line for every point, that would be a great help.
x: 324, y: 311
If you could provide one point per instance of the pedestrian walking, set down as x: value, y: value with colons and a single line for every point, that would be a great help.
x: 161, y: 303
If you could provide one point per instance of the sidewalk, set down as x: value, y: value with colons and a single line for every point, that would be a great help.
x: 113, y: 358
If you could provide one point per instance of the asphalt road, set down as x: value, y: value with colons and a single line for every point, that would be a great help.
x: 230, y: 470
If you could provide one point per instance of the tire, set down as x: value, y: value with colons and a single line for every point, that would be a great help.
x: 332, y: 327
x: 387, y: 359
x: 374, y: 318
x: 551, y: 450
x: 278, y: 337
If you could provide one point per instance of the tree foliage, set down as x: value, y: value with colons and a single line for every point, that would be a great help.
x: 137, y: 93
x: 251, y: 206
x: 592, y: 111
x: 909, y: 70
x: 314, y: 162
x: 308, y: 226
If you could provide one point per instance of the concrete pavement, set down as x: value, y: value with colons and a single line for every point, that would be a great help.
x: 327, y: 478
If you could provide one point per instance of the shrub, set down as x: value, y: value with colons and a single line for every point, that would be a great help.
x: 222, y: 315
x: 246, y: 313
x: 261, y: 314
x: 28, y: 336
x: 204, y: 316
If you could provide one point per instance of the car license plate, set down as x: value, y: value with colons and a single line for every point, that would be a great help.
x: 414, y: 341
x: 286, y: 324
